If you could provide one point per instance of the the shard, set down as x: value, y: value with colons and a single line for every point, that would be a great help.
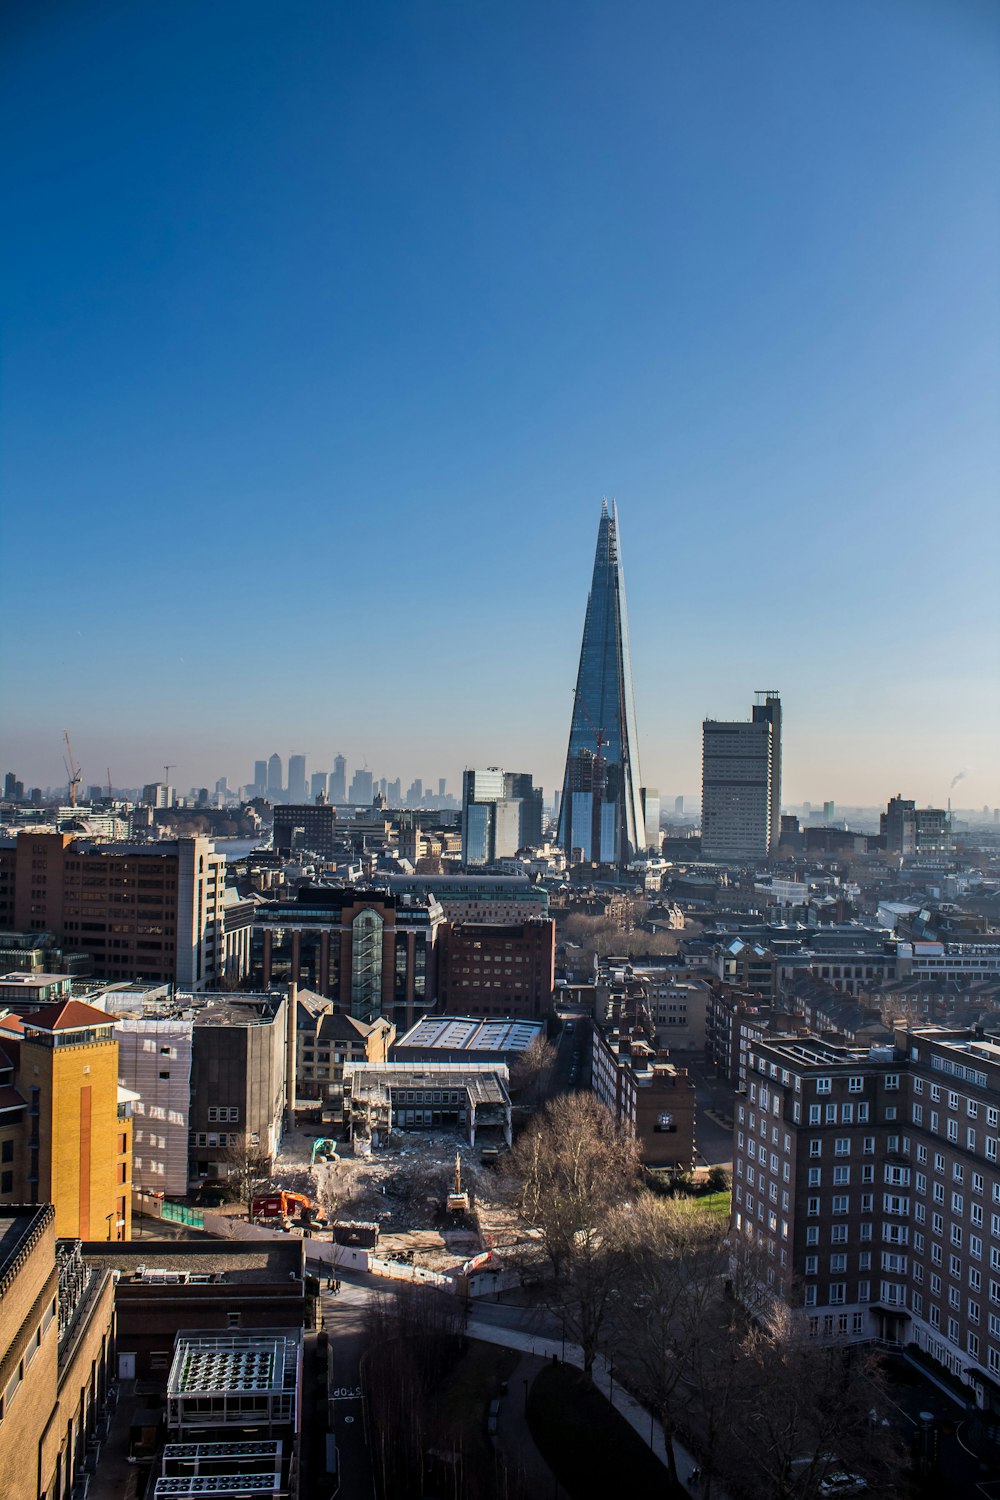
x: 600, y: 811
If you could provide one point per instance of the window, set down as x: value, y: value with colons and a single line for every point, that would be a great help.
x: 841, y: 1176
x: 840, y: 1203
x: 842, y: 1146
x: 855, y: 1085
x: 891, y: 1080
x: 822, y: 1085
x: 815, y: 1114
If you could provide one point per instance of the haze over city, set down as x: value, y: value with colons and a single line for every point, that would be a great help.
x: 327, y: 329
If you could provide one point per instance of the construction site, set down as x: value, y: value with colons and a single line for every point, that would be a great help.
x: 435, y: 1202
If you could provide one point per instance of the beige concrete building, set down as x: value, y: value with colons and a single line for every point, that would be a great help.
x: 56, y: 1356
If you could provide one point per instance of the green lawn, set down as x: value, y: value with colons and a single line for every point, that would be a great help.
x: 716, y: 1203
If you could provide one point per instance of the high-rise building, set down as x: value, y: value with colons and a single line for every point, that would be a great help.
x: 9, y: 785
x: 296, y: 778
x: 741, y: 784
x: 362, y: 788
x: 601, y: 812
x: 338, y: 780
x: 415, y: 795
x: 394, y: 793
x: 259, y: 777
x: 317, y: 785
x: 222, y: 788
x: 274, y: 776
x: 651, y: 816
x: 501, y: 813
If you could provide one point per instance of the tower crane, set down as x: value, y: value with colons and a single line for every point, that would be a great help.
x: 73, y: 772
x: 166, y: 773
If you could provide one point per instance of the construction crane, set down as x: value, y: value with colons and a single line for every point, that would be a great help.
x: 166, y: 774
x: 73, y: 772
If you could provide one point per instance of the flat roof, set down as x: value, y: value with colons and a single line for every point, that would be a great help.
x: 259, y: 1360
x: 467, y: 1034
x: 485, y: 1083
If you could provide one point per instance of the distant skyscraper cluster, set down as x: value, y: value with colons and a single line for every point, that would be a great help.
x: 333, y: 786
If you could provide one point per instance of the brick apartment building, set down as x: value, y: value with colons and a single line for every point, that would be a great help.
x: 141, y: 911
x: 653, y: 1101
x: 868, y: 1180
x: 497, y: 969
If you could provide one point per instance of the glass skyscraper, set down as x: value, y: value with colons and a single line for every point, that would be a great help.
x: 600, y: 811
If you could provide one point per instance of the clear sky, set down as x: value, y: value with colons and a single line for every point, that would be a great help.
x: 325, y: 327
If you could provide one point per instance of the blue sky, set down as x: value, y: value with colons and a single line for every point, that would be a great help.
x: 325, y: 327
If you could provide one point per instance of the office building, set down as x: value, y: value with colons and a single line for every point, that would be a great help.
x: 372, y: 953
x: 259, y: 778
x: 473, y: 898
x: 296, y: 778
x: 142, y: 911
x: 504, y: 969
x: 907, y: 829
x: 318, y: 783
x: 275, y: 782
x: 651, y: 817
x: 154, y: 1064
x: 600, y: 811
x: 56, y: 1357
x: 741, y: 784
x: 362, y: 788
x: 501, y: 813
x: 238, y: 1081
x: 338, y: 780
x: 158, y: 794
x: 653, y: 1101
x: 66, y: 1127
x: 311, y: 827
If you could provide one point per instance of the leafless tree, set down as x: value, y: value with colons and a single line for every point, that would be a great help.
x: 571, y: 1171
x: 248, y: 1167
x: 668, y: 1325
x: 531, y: 1071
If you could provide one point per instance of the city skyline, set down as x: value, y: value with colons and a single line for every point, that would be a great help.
x: 322, y: 322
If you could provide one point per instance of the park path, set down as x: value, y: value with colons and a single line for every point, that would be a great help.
x: 603, y: 1377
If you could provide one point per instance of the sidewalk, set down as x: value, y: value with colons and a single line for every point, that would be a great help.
x: 637, y: 1416
x: 515, y: 1438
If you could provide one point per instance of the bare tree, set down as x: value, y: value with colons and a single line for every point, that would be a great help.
x: 531, y: 1071
x: 572, y: 1169
x: 670, y: 1330
x: 248, y: 1167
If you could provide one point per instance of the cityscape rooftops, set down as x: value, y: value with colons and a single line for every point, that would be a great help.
x: 462, y: 1034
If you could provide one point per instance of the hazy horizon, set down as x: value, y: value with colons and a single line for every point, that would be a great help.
x: 326, y: 331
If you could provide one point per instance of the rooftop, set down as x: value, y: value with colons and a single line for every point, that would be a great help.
x: 485, y: 1083
x: 455, y: 1033
x: 263, y: 1360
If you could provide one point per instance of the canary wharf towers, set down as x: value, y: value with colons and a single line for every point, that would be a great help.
x: 600, y: 811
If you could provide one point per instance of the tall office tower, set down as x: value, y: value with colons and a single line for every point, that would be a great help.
x: 520, y: 788
x: 767, y: 709
x: 651, y: 816
x: 296, y: 778
x: 394, y: 793
x: 317, y: 785
x: 259, y: 777
x: 362, y: 786
x: 222, y: 787
x: 601, y: 812
x: 442, y: 785
x: 338, y: 780
x: 501, y: 813
x: 741, y: 784
x: 679, y: 806
x: 415, y: 795
x: 829, y: 811
x: 9, y: 785
x: 274, y: 778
